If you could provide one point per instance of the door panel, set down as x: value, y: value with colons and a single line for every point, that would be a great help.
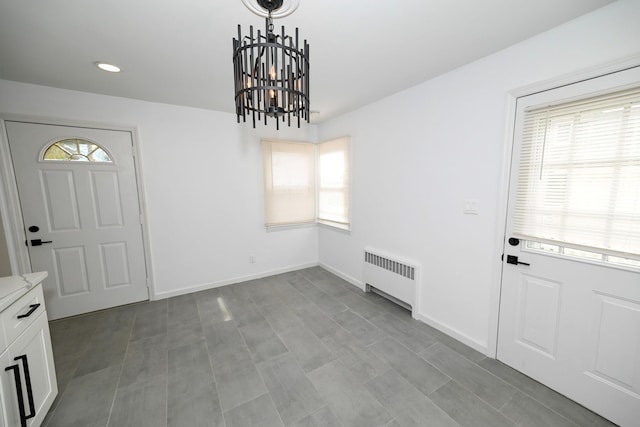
x: 106, y: 197
x: 87, y: 210
x: 61, y: 202
x: 115, y: 263
x: 617, y: 342
x: 539, y: 301
x: 572, y: 324
x: 70, y: 271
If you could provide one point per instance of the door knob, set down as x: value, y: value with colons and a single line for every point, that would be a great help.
x: 512, y: 259
x: 39, y: 242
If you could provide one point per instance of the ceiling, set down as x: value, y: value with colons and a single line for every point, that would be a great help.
x: 179, y: 52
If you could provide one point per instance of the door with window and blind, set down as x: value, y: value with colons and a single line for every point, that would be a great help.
x: 570, y: 299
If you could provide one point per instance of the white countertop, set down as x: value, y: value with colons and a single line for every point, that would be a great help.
x: 13, y: 287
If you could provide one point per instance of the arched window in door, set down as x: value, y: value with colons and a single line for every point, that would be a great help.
x: 76, y: 150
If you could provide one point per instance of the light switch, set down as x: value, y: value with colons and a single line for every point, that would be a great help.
x: 470, y: 207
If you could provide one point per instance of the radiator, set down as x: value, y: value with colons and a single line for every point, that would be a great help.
x: 391, y: 274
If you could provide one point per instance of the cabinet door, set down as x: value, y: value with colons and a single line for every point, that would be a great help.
x: 8, y: 400
x: 35, y: 344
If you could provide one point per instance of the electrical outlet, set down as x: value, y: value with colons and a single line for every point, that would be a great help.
x: 252, y: 259
x: 470, y: 207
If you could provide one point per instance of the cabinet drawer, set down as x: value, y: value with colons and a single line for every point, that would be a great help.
x: 22, y: 313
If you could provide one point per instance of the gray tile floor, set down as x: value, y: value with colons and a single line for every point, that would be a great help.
x: 298, y: 349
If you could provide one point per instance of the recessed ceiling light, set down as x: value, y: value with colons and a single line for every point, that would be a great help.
x: 108, y: 67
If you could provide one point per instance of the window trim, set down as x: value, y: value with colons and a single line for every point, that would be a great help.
x: 336, y: 225
x: 51, y: 143
x: 578, y: 258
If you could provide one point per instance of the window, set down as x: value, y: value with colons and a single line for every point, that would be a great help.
x: 579, y: 177
x: 333, y: 185
x: 290, y: 182
x: 583, y: 255
x: 76, y: 150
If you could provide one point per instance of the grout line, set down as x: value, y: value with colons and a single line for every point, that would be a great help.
x: 532, y: 397
x: 427, y: 348
x: 274, y: 406
x: 254, y: 367
x: 124, y: 358
x: 166, y: 403
x: 213, y: 373
x: 468, y: 389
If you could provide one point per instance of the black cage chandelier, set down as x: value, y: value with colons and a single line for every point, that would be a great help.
x: 271, y: 73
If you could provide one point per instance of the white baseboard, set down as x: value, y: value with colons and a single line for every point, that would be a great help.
x: 453, y: 333
x: 340, y: 274
x: 231, y: 281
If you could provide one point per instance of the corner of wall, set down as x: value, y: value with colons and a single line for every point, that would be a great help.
x: 453, y: 333
x: 348, y: 278
x: 204, y: 286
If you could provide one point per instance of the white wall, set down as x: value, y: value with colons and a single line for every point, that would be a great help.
x: 203, y: 180
x: 418, y: 154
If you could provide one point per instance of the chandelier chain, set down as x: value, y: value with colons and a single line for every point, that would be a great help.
x: 270, y: 20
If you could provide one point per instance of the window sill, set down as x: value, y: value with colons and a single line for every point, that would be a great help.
x: 283, y: 227
x: 345, y: 228
x: 335, y: 226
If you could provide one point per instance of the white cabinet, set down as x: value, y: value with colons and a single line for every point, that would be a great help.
x: 27, y: 372
x: 5, y: 392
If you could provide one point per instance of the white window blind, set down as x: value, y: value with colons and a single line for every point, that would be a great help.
x: 289, y: 182
x: 579, y: 175
x: 333, y: 176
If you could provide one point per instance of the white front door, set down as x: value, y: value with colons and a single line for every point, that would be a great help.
x: 570, y: 318
x: 79, y: 202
